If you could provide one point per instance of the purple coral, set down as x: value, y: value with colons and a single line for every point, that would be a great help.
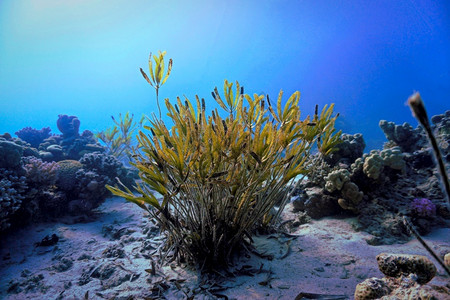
x: 12, y: 194
x: 423, y: 207
x: 33, y: 136
x: 103, y: 164
x: 68, y: 125
x: 40, y: 172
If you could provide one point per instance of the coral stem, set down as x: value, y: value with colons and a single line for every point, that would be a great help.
x: 418, y: 108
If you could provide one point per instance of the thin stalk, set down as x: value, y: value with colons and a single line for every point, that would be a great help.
x: 413, y: 231
x: 418, y: 108
x: 157, y: 102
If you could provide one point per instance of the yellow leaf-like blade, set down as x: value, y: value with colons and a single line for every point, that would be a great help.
x: 146, y: 77
x: 218, y: 99
x: 150, y: 67
x: 169, y: 69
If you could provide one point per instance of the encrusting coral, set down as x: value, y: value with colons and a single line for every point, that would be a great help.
x: 394, y: 265
x: 352, y: 196
x: 10, y: 154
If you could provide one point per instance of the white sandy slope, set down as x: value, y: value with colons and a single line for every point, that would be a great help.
x: 328, y: 257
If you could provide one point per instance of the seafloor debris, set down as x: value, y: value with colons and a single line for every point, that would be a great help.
x: 48, y: 241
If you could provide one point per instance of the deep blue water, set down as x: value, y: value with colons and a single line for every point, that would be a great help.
x: 82, y: 57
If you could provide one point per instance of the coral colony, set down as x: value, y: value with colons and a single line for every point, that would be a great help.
x: 212, y: 183
x: 423, y: 207
x: 64, y: 173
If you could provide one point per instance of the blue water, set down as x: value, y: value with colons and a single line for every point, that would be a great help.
x: 83, y: 57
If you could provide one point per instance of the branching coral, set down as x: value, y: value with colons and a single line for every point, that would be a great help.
x: 102, y: 164
x: 221, y: 177
x: 39, y: 172
x: 91, y: 191
x: 12, y: 188
x: 33, y: 136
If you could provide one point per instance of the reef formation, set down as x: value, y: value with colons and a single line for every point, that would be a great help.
x: 43, y: 176
x: 381, y: 186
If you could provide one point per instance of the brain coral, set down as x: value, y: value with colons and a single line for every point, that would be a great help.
x: 67, y: 170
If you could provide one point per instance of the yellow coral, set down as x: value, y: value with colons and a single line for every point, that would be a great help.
x: 373, y: 165
x: 67, y: 170
x: 336, y: 179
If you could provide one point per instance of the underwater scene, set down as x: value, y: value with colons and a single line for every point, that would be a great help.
x: 224, y: 149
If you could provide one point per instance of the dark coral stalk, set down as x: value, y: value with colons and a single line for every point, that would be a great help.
x: 413, y: 231
x: 418, y: 108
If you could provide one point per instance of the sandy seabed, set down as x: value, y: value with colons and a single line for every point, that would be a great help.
x: 109, y: 257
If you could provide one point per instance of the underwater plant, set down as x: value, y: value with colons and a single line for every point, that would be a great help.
x: 221, y: 178
x: 118, y: 139
x: 158, y: 78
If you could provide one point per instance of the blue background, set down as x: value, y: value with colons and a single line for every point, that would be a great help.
x: 83, y: 57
